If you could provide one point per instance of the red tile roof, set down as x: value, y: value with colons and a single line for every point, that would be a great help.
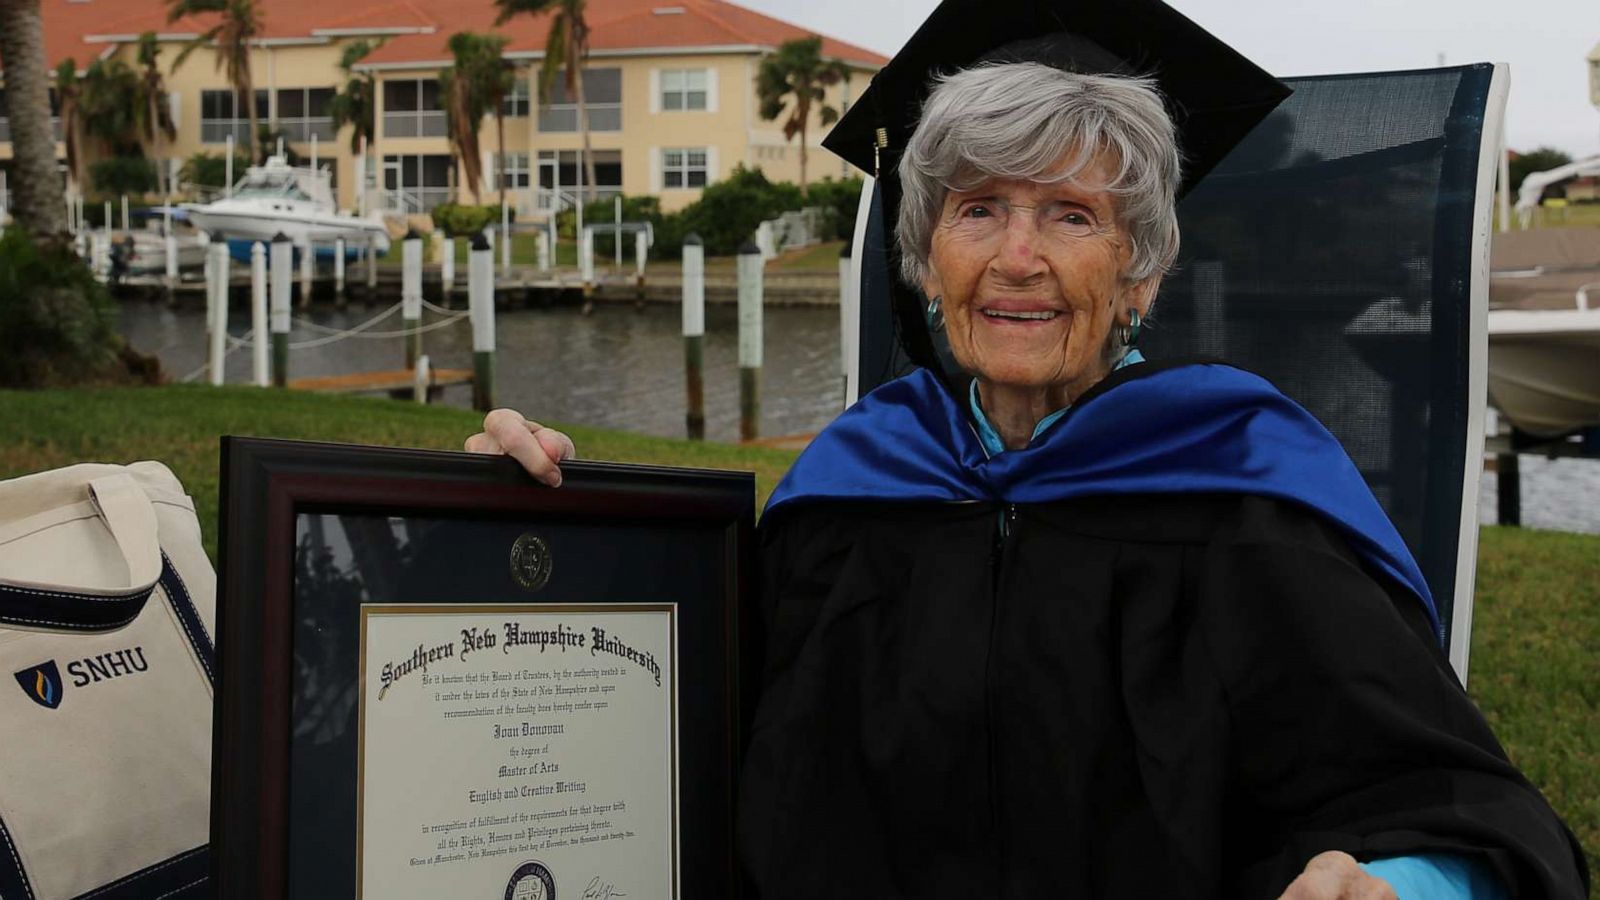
x: 77, y: 28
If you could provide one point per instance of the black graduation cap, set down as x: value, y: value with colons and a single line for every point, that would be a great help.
x: 1214, y: 95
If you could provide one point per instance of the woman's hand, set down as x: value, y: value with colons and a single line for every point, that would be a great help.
x: 539, y: 449
x: 1336, y: 876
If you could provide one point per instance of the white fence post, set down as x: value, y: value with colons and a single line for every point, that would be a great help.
x: 217, y: 291
x: 258, y: 313
x: 480, y: 303
x: 750, y: 300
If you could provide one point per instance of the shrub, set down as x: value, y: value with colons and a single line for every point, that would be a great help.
x: 123, y: 175
x: 839, y: 197
x: 729, y: 211
x: 634, y: 209
x: 206, y: 170
x: 466, y: 220
x: 56, y: 321
x: 1540, y: 160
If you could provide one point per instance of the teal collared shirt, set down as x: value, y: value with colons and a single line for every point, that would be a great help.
x: 991, y: 439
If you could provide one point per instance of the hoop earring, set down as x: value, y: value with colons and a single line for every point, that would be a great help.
x: 935, y: 316
x: 1129, y: 333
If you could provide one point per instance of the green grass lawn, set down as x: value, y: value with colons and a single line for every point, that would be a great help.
x: 1535, y: 664
x: 180, y: 425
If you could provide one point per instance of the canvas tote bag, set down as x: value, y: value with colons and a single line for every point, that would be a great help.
x: 107, y: 604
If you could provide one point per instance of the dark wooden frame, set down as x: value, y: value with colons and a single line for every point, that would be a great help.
x: 267, y: 483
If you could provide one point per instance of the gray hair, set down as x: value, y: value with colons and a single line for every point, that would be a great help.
x: 1017, y: 120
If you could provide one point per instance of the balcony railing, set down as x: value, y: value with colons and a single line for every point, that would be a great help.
x: 428, y: 123
x: 301, y: 130
x: 216, y: 131
x: 564, y: 117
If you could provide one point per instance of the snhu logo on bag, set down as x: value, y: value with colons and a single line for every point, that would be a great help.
x: 42, y: 682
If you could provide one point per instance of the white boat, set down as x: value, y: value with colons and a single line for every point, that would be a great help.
x: 297, y: 202
x: 143, y: 251
x: 1544, y: 331
x: 1544, y: 368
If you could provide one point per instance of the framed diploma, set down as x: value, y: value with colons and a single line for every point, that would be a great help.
x: 439, y: 678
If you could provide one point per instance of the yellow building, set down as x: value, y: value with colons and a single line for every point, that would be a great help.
x: 669, y: 84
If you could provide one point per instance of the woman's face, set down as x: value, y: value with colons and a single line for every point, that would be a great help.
x: 1031, y: 276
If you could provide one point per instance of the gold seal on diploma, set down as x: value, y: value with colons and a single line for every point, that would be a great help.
x: 530, y: 562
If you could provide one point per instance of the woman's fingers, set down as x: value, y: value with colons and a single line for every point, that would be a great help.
x: 482, y: 443
x: 555, y: 443
x: 537, y: 448
x: 1337, y: 876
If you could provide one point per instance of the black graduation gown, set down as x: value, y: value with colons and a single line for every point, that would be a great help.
x: 1139, y: 696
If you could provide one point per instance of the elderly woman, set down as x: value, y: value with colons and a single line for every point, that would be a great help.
x: 1093, y: 626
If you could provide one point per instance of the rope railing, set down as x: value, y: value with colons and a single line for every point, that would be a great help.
x: 334, y: 335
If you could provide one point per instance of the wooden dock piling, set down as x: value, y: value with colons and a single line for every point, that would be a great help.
x: 750, y: 274
x: 480, y: 303
x: 694, y: 329
x: 282, y: 269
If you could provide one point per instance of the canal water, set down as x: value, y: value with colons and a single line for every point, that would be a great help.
x: 619, y: 368
x: 622, y: 368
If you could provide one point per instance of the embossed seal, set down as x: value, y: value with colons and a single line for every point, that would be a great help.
x: 530, y: 562
x: 531, y: 880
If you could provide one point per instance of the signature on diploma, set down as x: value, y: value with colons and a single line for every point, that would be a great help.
x: 601, y: 890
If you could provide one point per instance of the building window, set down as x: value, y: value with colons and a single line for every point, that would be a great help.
x: 515, y: 104
x: 412, y: 108
x: 303, y: 112
x: 417, y: 182
x: 683, y: 89
x: 224, y: 112
x: 560, y: 171
x: 683, y: 168
x: 602, y: 94
x: 515, y: 169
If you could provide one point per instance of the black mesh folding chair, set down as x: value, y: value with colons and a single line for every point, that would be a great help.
x: 1341, y: 251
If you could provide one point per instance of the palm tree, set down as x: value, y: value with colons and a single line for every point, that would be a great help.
x: 460, y: 125
x: 356, y: 103
x: 564, y: 53
x: 108, y: 109
x: 68, y: 89
x: 476, y: 84
x: 498, y: 80
x: 798, y: 71
x: 35, y: 188
x: 154, y: 116
x: 238, y: 23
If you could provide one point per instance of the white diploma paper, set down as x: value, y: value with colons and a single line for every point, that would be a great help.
x: 509, y: 750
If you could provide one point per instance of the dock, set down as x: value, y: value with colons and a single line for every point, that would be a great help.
x: 525, y: 286
x: 396, y: 382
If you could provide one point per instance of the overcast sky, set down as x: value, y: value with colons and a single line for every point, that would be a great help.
x: 1544, y: 41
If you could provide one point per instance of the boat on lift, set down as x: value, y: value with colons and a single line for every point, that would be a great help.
x: 297, y: 202
x: 1544, y: 330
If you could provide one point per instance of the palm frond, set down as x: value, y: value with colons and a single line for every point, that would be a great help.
x: 177, y: 9
x: 206, y: 38
x: 555, y: 57
x: 509, y: 8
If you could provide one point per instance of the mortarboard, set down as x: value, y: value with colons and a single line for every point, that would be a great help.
x: 1214, y: 95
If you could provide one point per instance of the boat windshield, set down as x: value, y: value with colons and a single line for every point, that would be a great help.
x: 272, y: 184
